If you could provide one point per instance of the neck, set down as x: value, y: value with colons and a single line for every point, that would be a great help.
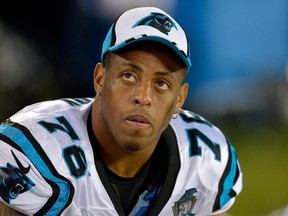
x: 119, y: 160
x: 123, y: 164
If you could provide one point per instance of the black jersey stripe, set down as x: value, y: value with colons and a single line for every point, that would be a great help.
x: 228, y: 180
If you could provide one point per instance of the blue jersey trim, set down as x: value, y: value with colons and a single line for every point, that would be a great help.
x: 227, y: 181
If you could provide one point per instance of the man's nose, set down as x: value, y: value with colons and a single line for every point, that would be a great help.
x: 143, y: 95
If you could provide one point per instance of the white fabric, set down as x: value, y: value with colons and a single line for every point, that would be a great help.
x: 202, y: 172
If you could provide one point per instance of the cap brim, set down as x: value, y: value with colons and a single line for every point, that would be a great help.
x: 172, y: 46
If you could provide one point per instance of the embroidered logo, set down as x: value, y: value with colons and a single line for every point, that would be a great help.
x: 13, y: 180
x: 159, y: 21
x: 184, y: 206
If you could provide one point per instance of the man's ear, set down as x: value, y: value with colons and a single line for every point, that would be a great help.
x: 182, y: 96
x: 99, y: 76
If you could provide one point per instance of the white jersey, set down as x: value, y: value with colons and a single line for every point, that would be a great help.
x: 47, y: 165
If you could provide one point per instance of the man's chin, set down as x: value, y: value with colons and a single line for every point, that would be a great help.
x: 133, y: 147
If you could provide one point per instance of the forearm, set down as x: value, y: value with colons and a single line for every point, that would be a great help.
x: 5, y: 210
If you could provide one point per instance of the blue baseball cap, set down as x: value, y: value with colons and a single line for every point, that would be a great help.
x: 147, y: 23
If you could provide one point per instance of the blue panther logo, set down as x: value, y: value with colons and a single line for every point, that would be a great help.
x: 159, y: 21
x: 13, y: 180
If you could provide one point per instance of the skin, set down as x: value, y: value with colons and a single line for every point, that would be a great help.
x: 138, y: 91
x: 136, y: 105
x: 5, y: 210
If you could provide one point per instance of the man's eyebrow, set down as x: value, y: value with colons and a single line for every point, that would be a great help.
x: 164, y: 73
x: 130, y: 64
x: 157, y: 73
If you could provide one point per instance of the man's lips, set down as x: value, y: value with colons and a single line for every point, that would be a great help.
x: 138, y: 121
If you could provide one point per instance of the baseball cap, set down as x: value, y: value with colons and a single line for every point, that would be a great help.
x: 147, y: 23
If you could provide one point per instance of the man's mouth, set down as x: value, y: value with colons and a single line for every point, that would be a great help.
x: 138, y: 121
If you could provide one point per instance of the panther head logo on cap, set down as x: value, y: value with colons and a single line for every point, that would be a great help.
x: 159, y: 21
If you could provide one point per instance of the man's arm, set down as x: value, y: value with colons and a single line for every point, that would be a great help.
x: 5, y: 210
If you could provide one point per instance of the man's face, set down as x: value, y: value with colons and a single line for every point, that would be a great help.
x: 140, y: 91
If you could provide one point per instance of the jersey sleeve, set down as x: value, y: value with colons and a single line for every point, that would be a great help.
x: 17, y: 189
x: 209, y: 163
x: 46, y: 156
x: 34, y: 178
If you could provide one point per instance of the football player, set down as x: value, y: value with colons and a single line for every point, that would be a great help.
x: 131, y: 150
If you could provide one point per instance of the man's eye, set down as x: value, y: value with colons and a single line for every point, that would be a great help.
x: 128, y: 76
x: 162, y: 84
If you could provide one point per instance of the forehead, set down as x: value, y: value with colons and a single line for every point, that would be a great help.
x: 156, y: 62
x: 163, y: 52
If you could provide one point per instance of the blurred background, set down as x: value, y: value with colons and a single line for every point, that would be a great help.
x: 238, y: 80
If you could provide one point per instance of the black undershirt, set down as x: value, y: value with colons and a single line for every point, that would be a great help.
x: 128, y: 190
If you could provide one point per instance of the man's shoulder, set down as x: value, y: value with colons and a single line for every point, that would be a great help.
x: 62, y: 113
x: 41, y: 147
x: 208, y: 160
x: 63, y: 106
x: 56, y: 105
x: 190, y: 121
x: 191, y: 117
x: 200, y: 137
